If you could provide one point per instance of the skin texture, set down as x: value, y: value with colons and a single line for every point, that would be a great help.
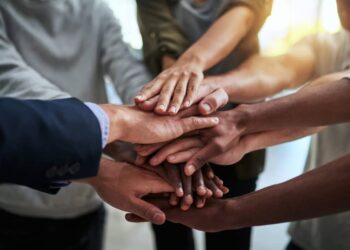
x: 123, y: 186
x: 197, y: 188
x: 299, y: 110
x: 133, y: 125
x: 320, y: 192
x: 178, y: 84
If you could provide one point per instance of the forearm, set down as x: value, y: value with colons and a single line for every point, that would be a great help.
x: 207, y: 51
x: 317, y: 193
x: 260, y: 76
x: 317, y: 106
x: 262, y: 140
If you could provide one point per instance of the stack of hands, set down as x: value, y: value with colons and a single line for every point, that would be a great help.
x: 163, y: 172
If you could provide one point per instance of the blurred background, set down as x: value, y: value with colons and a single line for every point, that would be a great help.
x: 290, y: 20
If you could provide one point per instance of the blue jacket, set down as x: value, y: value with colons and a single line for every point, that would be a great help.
x: 45, y: 143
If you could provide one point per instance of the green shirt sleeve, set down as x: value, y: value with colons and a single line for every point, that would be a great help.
x: 160, y: 33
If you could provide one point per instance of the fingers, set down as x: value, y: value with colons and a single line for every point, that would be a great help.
x: 179, y: 93
x: 173, y: 199
x: 148, y: 105
x: 166, y: 94
x: 192, y: 111
x: 195, y: 123
x: 200, y: 201
x: 214, y: 188
x: 213, y: 102
x: 174, y: 178
x: 148, y: 211
x: 140, y: 160
x: 187, y: 200
x: 208, y: 171
x: 182, y: 144
x: 198, y: 183
x: 200, y: 159
x: 192, y: 89
x: 182, y: 157
x: 151, y: 89
x: 134, y: 218
x: 146, y: 150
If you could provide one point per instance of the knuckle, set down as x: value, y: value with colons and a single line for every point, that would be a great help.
x: 186, y: 73
x: 219, y: 146
x: 196, y: 121
x: 176, y: 74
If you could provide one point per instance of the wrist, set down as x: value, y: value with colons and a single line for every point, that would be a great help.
x: 243, y: 117
x: 117, y: 121
x: 191, y: 57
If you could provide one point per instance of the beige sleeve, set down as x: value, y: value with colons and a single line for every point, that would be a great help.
x: 331, y: 51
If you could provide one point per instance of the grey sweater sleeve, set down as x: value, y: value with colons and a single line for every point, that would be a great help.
x: 17, y: 78
x: 126, y: 72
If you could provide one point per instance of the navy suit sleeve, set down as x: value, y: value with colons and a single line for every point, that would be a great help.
x: 45, y: 142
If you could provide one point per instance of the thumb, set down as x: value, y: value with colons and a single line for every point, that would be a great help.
x: 196, y: 123
x: 213, y: 102
x: 148, y: 211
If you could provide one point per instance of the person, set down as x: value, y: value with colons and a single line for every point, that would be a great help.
x: 44, y: 141
x: 62, y: 49
x: 322, y: 191
x: 180, y: 44
x: 324, y: 56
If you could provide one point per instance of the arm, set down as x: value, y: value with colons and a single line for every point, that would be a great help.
x: 181, y: 150
x: 161, y: 35
x: 260, y: 76
x: 184, y: 77
x: 57, y: 140
x: 302, y: 109
x: 126, y: 72
x: 320, y: 192
x: 17, y: 78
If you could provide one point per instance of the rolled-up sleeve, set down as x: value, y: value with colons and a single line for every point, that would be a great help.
x: 160, y: 33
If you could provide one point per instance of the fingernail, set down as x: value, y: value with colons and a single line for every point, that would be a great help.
x: 161, y: 107
x: 171, y: 158
x: 216, y: 120
x: 172, y: 110
x: 180, y: 192
x: 139, y: 97
x: 157, y: 218
x: 201, y: 191
x: 190, y: 170
x: 219, y: 193
x: 206, y: 107
x: 187, y: 104
x: 189, y: 199
x: 210, y: 175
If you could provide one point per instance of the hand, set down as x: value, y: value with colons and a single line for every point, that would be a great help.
x: 177, y: 86
x: 123, y: 186
x: 210, y: 98
x: 212, y: 218
x: 129, y: 124
x: 183, y: 149
x: 188, y: 190
x: 121, y: 152
x: 167, y: 62
x: 213, y: 142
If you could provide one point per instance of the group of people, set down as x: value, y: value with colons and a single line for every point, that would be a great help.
x: 186, y: 149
